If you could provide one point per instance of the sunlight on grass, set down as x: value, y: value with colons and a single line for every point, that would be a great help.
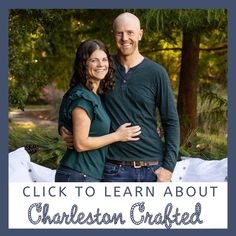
x: 26, y: 125
x: 205, y: 146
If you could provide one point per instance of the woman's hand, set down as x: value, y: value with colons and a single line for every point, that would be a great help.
x: 128, y: 133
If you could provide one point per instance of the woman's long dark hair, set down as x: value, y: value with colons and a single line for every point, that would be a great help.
x: 80, y: 76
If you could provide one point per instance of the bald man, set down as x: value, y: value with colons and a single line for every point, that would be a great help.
x: 142, y: 87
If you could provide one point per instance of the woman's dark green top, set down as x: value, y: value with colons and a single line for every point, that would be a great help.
x: 90, y: 162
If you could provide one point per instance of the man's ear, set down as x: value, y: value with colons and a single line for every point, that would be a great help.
x: 140, y: 34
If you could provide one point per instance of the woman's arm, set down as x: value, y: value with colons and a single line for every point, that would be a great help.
x: 82, y: 140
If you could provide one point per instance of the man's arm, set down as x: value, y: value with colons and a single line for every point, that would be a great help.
x: 67, y: 137
x: 65, y: 133
x: 170, y: 124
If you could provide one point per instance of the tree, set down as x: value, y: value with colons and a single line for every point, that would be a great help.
x: 193, y: 24
x: 42, y: 46
x: 30, y: 52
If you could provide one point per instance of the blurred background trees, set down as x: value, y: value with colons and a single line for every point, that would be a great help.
x: 190, y: 44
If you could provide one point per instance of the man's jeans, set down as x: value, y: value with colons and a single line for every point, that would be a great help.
x: 119, y: 173
x: 65, y: 174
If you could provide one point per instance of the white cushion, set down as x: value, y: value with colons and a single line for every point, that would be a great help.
x: 191, y: 169
x: 21, y: 169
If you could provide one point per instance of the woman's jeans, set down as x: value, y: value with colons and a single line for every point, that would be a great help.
x: 65, y: 174
x: 119, y: 173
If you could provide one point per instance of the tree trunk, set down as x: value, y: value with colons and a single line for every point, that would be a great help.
x: 188, y: 85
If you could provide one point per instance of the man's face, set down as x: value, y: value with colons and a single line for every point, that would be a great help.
x: 127, y: 34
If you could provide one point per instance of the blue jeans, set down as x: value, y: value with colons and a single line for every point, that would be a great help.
x: 66, y: 174
x: 118, y: 173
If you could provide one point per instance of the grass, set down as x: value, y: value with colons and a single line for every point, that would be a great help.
x: 51, y: 147
x: 33, y: 107
x: 205, y: 146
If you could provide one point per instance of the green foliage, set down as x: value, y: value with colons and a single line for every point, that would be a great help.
x: 192, y: 20
x: 50, y: 146
x: 165, y: 30
x: 212, y: 91
x: 17, y: 97
x: 42, y: 45
x: 205, y: 146
x: 29, y: 69
x: 212, y: 109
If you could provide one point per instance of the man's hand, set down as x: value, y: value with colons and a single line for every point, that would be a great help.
x: 67, y: 137
x: 163, y: 175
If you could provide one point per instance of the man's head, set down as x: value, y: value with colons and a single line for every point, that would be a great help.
x: 127, y: 33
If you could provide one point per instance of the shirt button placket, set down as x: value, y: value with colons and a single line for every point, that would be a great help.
x: 124, y: 81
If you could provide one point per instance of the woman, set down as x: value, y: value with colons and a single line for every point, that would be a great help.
x: 83, y: 114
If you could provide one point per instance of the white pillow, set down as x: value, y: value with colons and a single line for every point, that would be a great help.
x: 191, y: 169
x: 21, y: 169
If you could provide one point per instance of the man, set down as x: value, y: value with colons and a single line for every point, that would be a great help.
x: 142, y: 86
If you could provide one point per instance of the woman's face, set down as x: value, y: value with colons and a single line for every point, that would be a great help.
x: 97, y: 65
